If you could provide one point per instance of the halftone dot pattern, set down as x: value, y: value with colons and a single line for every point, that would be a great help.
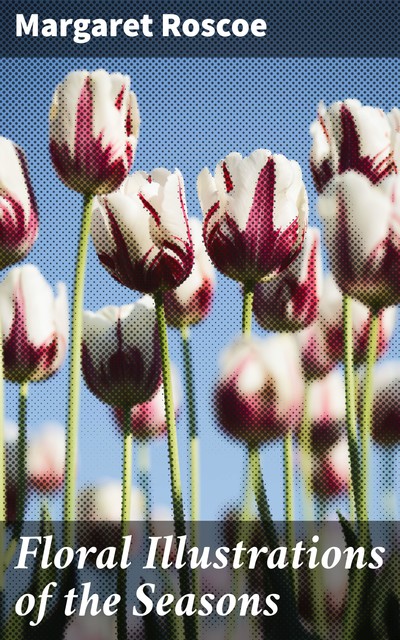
x: 249, y: 414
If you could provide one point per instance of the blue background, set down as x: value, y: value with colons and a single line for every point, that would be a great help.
x: 193, y: 111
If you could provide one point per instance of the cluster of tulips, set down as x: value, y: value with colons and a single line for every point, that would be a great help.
x: 288, y: 386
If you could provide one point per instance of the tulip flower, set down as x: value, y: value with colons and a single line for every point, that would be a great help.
x: 327, y: 411
x: 331, y: 472
x: 290, y: 301
x: 46, y: 459
x: 350, y: 136
x: 120, y: 353
x: 94, y: 127
x: 148, y: 418
x: 191, y: 302
x: 386, y: 405
x: 34, y: 324
x: 19, y: 221
x: 141, y: 232
x: 99, y: 511
x: 260, y: 392
x: 321, y: 344
x: 255, y: 214
x: 364, y: 246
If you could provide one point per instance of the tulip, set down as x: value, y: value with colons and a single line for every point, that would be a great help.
x: 99, y: 512
x: 290, y: 301
x: 350, y: 136
x: 120, y: 353
x: 148, y: 419
x: 46, y: 459
x: 141, y: 233
x: 19, y: 221
x: 255, y: 214
x: 327, y: 411
x: 34, y: 324
x: 94, y: 127
x: 260, y: 392
x: 321, y: 344
x: 191, y: 302
x: 363, y: 246
x: 331, y: 472
x: 386, y: 405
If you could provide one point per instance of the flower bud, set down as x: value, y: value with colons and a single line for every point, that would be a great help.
x: 19, y: 222
x: 94, y: 127
x: 255, y: 214
x: 289, y: 302
x: 331, y: 472
x: 327, y: 411
x: 120, y: 353
x: 34, y: 325
x: 141, y: 232
x: 191, y: 302
x: 260, y: 392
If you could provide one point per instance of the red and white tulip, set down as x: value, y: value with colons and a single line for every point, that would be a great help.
x: 46, y: 459
x: 331, y: 472
x: 362, y: 225
x: 34, y: 324
x: 120, y: 353
x: 290, y: 301
x: 260, y: 392
x: 19, y: 222
x: 191, y: 302
x: 94, y: 127
x: 255, y: 214
x: 141, y: 232
x: 386, y: 404
x: 351, y: 136
x: 327, y: 411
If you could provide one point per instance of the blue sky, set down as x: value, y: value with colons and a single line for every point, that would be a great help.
x: 193, y: 113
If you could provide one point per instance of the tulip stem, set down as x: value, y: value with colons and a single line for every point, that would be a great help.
x: 366, y: 418
x: 74, y: 371
x: 305, y: 441
x: 125, y: 517
x: 289, y: 501
x: 248, y: 297
x: 3, y: 495
x: 173, y: 455
x: 194, y: 455
x: 22, y: 449
x: 144, y: 477
x: 351, y: 425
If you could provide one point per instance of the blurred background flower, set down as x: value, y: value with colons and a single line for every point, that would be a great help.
x: 259, y: 395
x: 46, y: 458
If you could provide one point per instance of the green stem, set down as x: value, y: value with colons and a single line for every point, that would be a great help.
x: 74, y: 372
x: 305, y: 441
x: 3, y: 504
x: 173, y: 456
x: 144, y: 477
x: 248, y: 297
x: 351, y: 424
x: 193, y: 431
x: 289, y: 498
x: 22, y: 449
x: 125, y: 518
x: 366, y: 416
x: 261, y: 497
